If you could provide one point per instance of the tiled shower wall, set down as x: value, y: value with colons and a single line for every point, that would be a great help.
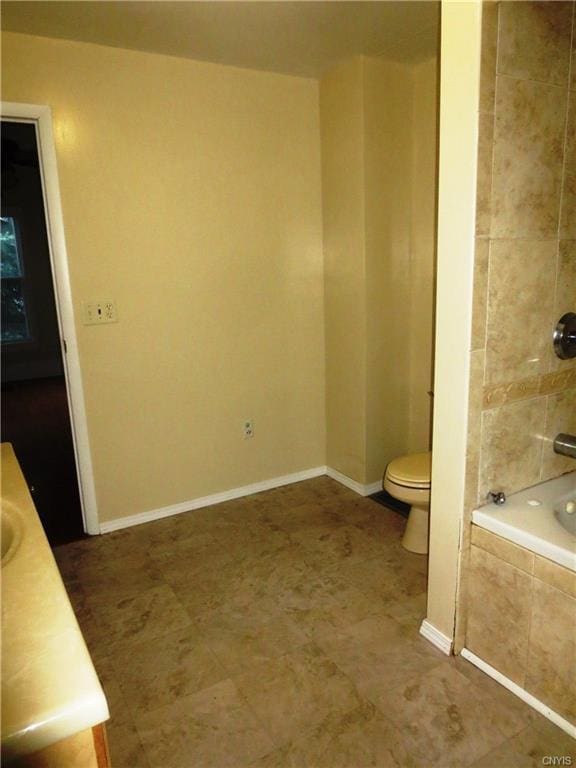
x: 521, y: 394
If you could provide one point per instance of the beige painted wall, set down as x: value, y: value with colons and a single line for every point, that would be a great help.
x: 343, y: 198
x: 191, y: 195
x: 423, y: 252
x: 378, y: 121
x: 521, y: 395
x: 388, y: 104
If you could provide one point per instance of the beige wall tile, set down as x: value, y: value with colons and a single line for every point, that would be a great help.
x: 480, y: 294
x: 511, y: 446
x: 505, y: 550
x: 552, y: 650
x: 499, y: 614
x: 484, y: 180
x: 528, y: 156
x: 474, y: 428
x: 520, y: 307
x: 568, y: 217
x: 488, y: 60
x: 560, y: 417
x: 534, y: 40
x: 555, y: 575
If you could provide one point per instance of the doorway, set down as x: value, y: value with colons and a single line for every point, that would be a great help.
x: 35, y: 414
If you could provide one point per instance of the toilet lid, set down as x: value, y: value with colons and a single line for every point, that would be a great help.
x: 414, y: 469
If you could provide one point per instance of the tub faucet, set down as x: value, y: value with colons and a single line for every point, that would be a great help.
x: 565, y: 444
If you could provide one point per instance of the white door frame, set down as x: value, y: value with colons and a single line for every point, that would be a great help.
x: 41, y: 117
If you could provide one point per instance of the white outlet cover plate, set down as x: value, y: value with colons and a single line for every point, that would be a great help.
x: 99, y: 311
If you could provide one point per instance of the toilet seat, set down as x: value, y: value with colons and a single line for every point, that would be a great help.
x: 412, y: 471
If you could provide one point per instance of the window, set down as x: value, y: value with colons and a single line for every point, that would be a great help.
x: 15, y: 326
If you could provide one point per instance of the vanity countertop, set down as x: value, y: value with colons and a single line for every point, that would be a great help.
x: 50, y: 689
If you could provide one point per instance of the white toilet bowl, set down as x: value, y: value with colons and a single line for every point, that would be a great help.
x: 407, y: 479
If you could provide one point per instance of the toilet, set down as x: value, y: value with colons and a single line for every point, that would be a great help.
x: 407, y: 479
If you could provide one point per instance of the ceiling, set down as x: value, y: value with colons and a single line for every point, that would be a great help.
x: 299, y: 38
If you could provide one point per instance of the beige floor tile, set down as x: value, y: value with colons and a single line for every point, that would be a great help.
x: 241, y: 638
x: 210, y: 729
x: 118, y: 576
x: 357, y: 739
x: 322, y: 488
x: 126, y: 750
x: 324, y: 547
x: 311, y: 514
x: 172, y: 610
x: 411, y: 611
x: 193, y: 548
x: 321, y: 603
x: 256, y: 540
x: 120, y: 714
x: 155, y: 672
x: 296, y: 691
x: 241, y: 583
x: 95, y: 561
x: 441, y: 718
x: 188, y: 558
x: 514, y: 714
x: 364, y: 512
x: 395, y: 575
x: 152, y: 613
x: 377, y: 520
x: 530, y: 747
x: 379, y: 653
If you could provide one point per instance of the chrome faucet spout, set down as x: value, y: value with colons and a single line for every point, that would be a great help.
x: 565, y: 444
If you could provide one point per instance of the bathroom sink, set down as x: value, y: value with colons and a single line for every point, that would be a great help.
x: 10, y: 533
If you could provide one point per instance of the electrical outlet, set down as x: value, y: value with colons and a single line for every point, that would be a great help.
x: 99, y: 312
x: 248, y: 429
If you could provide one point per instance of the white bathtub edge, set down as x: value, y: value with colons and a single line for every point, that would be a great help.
x: 514, y: 688
x: 525, y: 539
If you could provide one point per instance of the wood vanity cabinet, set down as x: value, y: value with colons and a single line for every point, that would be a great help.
x: 87, y: 749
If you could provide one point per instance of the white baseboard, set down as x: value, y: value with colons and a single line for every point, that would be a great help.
x: 207, y: 501
x: 354, y: 485
x: 514, y: 688
x: 437, y: 638
x: 237, y: 493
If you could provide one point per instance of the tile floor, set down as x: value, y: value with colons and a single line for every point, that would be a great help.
x: 281, y: 630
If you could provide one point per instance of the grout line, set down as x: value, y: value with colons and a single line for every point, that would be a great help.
x: 487, y: 313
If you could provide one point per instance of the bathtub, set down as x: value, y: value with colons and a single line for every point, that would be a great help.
x: 538, y: 518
